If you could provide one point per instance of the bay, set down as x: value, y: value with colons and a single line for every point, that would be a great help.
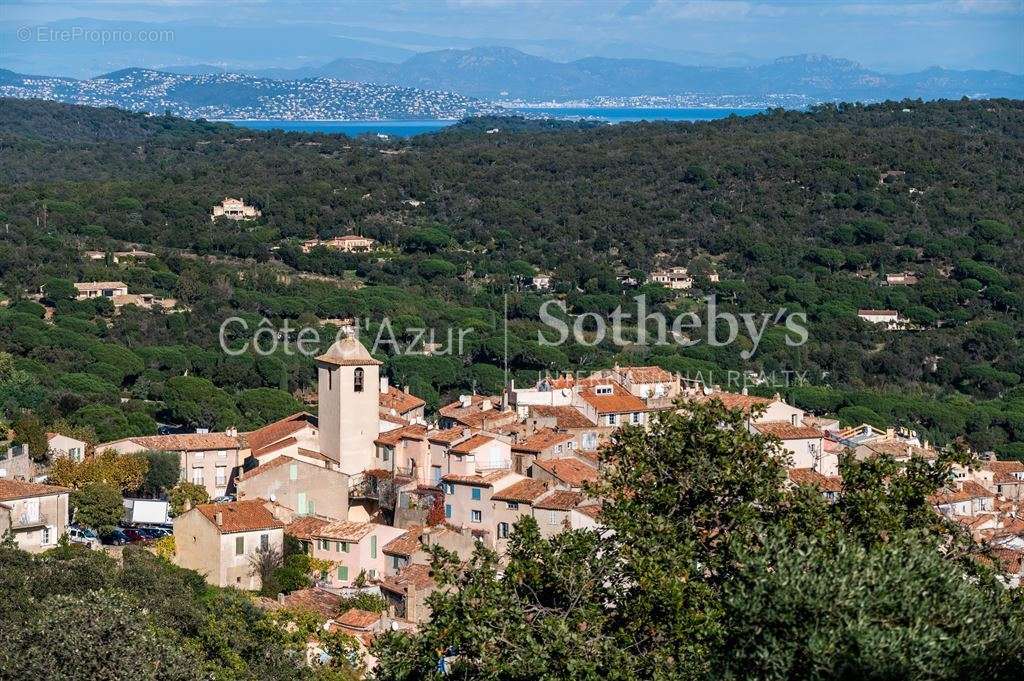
x: 409, y: 128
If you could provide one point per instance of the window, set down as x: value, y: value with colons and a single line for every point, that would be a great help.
x: 47, y: 535
x: 341, y: 546
x: 552, y: 517
x: 385, y: 454
x: 396, y: 563
x: 590, y: 441
x: 476, y: 494
x: 222, y: 476
x: 301, y: 502
x: 293, y: 471
x: 447, y: 510
x: 793, y: 419
x: 264, y: 541
x: 197, y: 476
x: 603, y: 390
x: 448, y: 488
x: 373, y: 574
x: 342, y: 573
x: 612, y: 419
x: 239, y: 545
x: 513, y: 505
x: 476, y: 516
x: 373, y: 546
x: 635, y: 417
x: 357, y: 380
x: 222, y: 454
x: 502, y: 530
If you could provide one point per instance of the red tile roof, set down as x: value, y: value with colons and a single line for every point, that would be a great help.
x: 277, y: 430
x: 565, y: 417
x: 399, y: 400
x: 392, y: 437
x: 568, y: 470
x: 809, y: 476
x: 542, y: 439
x: 591, y: 510
x: 354, y: 618
x: 415, y: 575
x: 745, y: 403
x: 275, y: 447
x: 471, y: 444
x: 475, y: 416
x: 486, y: 480
x: 559, y: 500
x: 185, y: 442
x: 240, y: 516
x: 648, y: 374
x: 276, y: 462
x: 523, y: 492
x: 620, y: 401
x: 345, y: 530
x: 406, y: 544
x: 784, y: 430
x: 306, y: 527
x: 19, y: 489
x: 447, y: 436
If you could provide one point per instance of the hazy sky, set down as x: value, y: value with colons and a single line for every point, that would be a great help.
x: 890, y: 36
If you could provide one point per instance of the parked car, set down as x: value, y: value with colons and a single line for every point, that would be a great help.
x: 153, y: 533
x: 134, y: 536
x: 83, y: 536
x: 116, y: 537
x: 224, y: 499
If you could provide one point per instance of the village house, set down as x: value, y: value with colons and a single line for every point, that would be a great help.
x: 890, y: 319
x: 970, y: 499
x: 63, y: 446
x: 566, y: 473
x: 234, y: 209
x: 675, y: 278
x: 301, y: 486
x: 758, y: 409
x: 413, y: 547
x: 543, y: 443
x: 900, y: 279
x: 220, y: 541
x: 97, y: 289
x: 349, y: 243
x: 206, y: 459
x: 804, y: 444
x: 355, y: 548
x: 650, y: 383
x: 609, y: 404
x: 541, y: 282
x: 406, y: 592
x: 475, y: 411
x: 467, y: 501
x: 512, y: 503
x: 36, y: 515
x: 553, y: 511
x: 403, y: 452
x: 401, y: 403
x: 830, y: 486
x: 479, y: 452
x: 296, y: 436
x: 568, y: 419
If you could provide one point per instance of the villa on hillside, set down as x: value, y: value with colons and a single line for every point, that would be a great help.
x: 234, y: 209
x: 349, y: 243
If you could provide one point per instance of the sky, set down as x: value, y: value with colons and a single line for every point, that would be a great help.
x: 887, y: 36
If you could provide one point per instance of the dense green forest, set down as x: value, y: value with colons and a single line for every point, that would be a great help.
x: 792, y: 209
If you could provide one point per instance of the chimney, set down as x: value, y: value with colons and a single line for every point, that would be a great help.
x: 383, y: 385
x: 280, y: 598
x: 218, y: 518
x: 231, y: 431
x: 465, y: 400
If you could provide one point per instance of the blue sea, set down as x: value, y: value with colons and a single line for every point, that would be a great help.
x: 410, y: 128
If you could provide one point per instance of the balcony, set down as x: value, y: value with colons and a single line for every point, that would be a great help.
x: 24, y: 521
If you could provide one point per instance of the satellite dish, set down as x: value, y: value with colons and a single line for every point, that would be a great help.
x: 707, y: 390
x: 394, y: 625
x: 273, y: 497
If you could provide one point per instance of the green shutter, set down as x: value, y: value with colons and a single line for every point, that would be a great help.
x: 303, y: 508
x: 373, y: 546
x: 343, y: 573
x: 239, y: 545
x: 293, y: 472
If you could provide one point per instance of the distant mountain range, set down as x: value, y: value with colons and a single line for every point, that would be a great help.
x: 237, y: 96
x: 507, y: 73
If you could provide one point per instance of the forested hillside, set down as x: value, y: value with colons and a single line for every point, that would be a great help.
x: 807, y: 211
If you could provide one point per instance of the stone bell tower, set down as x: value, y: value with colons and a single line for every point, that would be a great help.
x: 348, y: 386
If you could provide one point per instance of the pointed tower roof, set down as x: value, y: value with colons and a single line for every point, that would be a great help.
x: 348, y: 351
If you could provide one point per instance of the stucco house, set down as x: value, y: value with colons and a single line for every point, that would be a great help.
x: 35, y: 514
x: 354, y: 548
x: 301, y: 486
x: 64, y: 446
x: 220, y: 540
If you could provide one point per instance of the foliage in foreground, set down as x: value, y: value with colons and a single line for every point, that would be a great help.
x: 713, y: 569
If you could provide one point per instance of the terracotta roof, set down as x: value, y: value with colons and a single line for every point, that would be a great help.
x: 405, y: 544
x: 591, y: 510
x: 570, y: 471
x: 476, y: 403
x: 391, y: 418
x: 447, y: 436
x: 469, y: 445
x: 415, y: 575
x: 185, y: 442
x: 620, y: 401
x: 99, y: 285
x: 324, y: 603
x: 276, y: 462
x: 399, y: 400
x: 1003, y: 471
x: 277, y: 430
x: 19, y: 489
x: 541, y: 440
x: 968, y: 490
x: 475, y: 416
x: 306, y: 527
x: 411, y: 432
x: 1012, y: 560
x: 275, y: 447
x: 524, y: 492
x: 313, y: 454
x: 784, y: 430
x: 345, y: 530
x: 240, y: 516
x: 559, y: 500
x: 899, y: 449
x: 565, y: 417
x: 649, y: 374
x: 745, y: 403
x: 809, y: 476
x: 354, y: 618
x: 486, y: 480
